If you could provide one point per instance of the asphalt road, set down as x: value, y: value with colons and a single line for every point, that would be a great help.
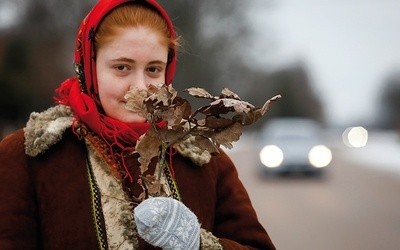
x: 350, y: 208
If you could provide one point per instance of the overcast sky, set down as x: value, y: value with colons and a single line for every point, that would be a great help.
x: 349, y: 47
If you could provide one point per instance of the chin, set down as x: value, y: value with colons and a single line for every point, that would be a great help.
x: 128, y: 117
x: 133, y: 119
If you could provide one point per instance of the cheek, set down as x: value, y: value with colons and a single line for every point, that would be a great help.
x: 101, y: 81
x: 109, y: 90
x: 107, y: 85
x: 103, y: 87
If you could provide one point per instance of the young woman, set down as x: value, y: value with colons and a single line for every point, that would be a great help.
x: 69, y: 179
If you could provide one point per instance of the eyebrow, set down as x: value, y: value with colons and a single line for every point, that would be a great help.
x: 129, y: 60
x: 123, y: 59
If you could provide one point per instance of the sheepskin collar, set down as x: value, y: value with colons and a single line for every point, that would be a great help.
x: 45, y: 129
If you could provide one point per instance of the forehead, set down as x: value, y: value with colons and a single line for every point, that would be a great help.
x: 138, y: 41
x: 136, y: 33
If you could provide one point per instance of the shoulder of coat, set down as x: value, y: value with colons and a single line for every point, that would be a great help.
x: 46, y: 128
x: 188, y: 149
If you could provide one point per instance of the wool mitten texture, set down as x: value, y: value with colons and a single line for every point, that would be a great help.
x: 167, y: 223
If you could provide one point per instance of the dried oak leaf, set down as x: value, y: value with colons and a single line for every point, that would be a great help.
x: 205, y: 144
x: 153, y: 186
x: 252, y: 116
x: 238, y: 105
x: 255, y: 114
x: 160, y: 94
x: 175, y: 115
x: 217, y: 122
x: 215, y: 108
x: 200, y: 93
x: 148, y: 146
x: 142, y: 195
x: 225, y: 106
x: 267, y: 104
x: 226, y: 136
x: 168, y: 116
x: 135, y: 101
x: 226, y: 93
x: 183, y: 109
x: 174, y: 136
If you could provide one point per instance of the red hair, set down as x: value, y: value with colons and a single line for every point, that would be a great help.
x: 132, y: 15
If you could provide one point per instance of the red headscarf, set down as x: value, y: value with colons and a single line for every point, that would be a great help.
x: 81, y: 92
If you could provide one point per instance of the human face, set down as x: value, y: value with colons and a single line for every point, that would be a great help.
x: 134, y: 58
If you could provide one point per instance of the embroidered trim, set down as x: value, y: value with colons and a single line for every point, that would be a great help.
x: 98, y: 219
x: 117, y: 208
x: 103, y: 151
x: 172, y: 183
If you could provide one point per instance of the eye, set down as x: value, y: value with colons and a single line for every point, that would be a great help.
x: 153, y: 70
x: 121, y: 67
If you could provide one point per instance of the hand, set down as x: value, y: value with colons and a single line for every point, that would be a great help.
x: 167, y: 223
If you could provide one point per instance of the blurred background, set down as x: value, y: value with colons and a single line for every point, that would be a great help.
x: 336, y: 63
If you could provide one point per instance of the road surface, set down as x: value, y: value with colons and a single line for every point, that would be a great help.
x: 351, y: 208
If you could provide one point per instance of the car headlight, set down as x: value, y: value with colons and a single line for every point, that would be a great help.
x: 271, y: 156
x: 320, y: 156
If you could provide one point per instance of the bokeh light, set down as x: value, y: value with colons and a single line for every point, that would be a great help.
x: 355, y: 137
x: 271, y: 156
x: 320, y: 156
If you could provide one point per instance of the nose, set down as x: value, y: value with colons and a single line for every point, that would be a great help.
x: 138, y: 81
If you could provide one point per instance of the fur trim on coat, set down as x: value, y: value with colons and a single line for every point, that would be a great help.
x: 45, y: 129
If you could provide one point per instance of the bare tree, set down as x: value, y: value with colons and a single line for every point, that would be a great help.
x: 388, y: 116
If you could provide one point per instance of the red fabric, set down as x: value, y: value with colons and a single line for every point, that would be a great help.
x: 85, y: 49
x: 80, y: 93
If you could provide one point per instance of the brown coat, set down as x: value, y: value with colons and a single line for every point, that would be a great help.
x: 45, y: 200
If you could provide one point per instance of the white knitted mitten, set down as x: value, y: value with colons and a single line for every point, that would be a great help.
x: 167, y: 223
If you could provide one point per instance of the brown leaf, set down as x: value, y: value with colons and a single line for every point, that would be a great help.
x: 158, y: 95
x: 153, y: 89
x: 168, y: 116
x: 173, y: 92
x: 252, y: 116
x: 184, y: 109
x: 255, y: 114
x: 141, y: 197
x: 238, y: 118
x: 215, y: 108
x: 211, y: 130
x: 164, y: 95
x: 238, y: 105
x: 175, y: 136
x: 226, y: 93
x: 205, y: 144
x: 267, y: 104
x: 228, y: 135
x: 217, y: 122
x: 134, y: 101
x: 200, y: 93
x: 201, y: 122
x: 148, y: 146
x: 153, y: 186
x: 175, y: 115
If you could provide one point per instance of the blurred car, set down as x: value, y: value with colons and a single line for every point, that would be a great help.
x: 293, y: 145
